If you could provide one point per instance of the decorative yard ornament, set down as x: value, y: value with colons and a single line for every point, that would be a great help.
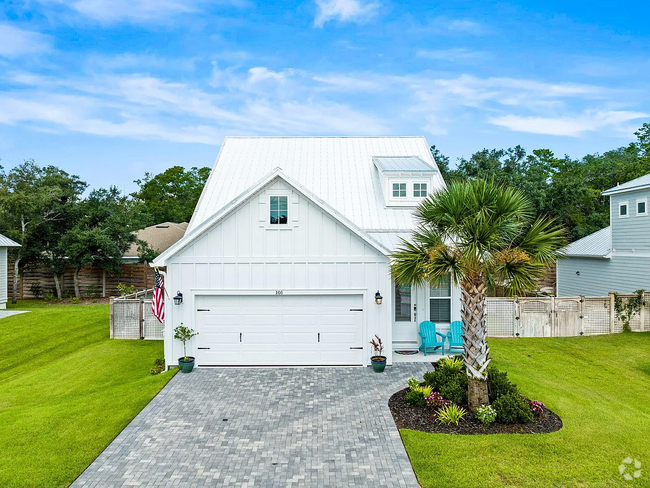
x: 627, y: 463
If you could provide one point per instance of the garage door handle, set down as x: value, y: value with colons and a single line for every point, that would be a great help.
x: 203, y: 348
x: 240, y: 337
x: 356, y: 348
x: 356, y: 310
x: 202, y: 309
x: 319, y: 337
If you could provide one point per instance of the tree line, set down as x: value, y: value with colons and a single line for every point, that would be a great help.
x: 568, y: 190
x: 58, y: 222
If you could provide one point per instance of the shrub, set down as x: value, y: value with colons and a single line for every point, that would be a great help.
x: 49, y: 297
x: 74, y: 300
x: 125, y: 289
x: 425, y: 390
x: 451, y: 414
x: 158, y: 366
x: 67, y: 294
x: 413, y: 383
x: 36, y: 290
x: 435, y: 400
x: 486, y: 414
x: 454, y: 392
x: 536, y: 407
x: 454, y: 364
x: 416, y: 398
x: 512, y: 408
x: 499, y: 384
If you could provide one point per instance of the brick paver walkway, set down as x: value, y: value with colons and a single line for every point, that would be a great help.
x: 268, y: 427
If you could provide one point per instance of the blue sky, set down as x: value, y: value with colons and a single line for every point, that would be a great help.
x: 109, y: 89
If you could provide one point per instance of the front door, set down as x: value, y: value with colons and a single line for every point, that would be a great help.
x: 405, y: 316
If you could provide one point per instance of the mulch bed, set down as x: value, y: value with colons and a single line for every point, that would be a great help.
x: 423, y: 419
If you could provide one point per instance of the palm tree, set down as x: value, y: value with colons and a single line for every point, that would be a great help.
x: 487, y: 237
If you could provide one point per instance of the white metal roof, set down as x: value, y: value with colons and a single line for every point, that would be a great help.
x: 402, y: 164
x: 597, y: 245
x: 635, y: 184
x: 338, y: 170
x: 6, y: 242
x: 390, y: 240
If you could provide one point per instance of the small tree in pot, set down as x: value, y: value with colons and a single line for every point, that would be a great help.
x: 378, y: 361
x: 184, y: 334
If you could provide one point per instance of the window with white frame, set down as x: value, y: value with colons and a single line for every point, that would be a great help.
x: 399, y: 190
x: 642, y: 206
x: 279, y: 212
x: 622, y: 210
x: 419, y: 190
x: 440, y: 302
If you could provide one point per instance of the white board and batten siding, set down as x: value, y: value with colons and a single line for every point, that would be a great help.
x: 298, y: 295
x: 3, y: 278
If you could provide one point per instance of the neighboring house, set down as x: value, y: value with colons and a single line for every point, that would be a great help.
x: 290, y: 243
x: 616, y: 258
x: 158, y: 237
x: 5, y: 244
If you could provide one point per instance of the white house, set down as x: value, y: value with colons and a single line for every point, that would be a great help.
x: 289, y: 245
x: 5, y: 244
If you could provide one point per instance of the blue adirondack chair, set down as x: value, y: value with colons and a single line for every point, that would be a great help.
x: 431, y: 339
x: 455, y: 336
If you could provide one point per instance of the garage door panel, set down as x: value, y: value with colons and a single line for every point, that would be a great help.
x: 280, y: 330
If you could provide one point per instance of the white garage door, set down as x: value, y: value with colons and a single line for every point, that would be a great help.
x: 280, y: 330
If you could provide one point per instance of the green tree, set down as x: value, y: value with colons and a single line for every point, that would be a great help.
x: 171, y: 195
x: 485, y: 236
x: 36, y: 205
x: 104, y: 231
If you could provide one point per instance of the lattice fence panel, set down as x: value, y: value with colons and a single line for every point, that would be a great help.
x: 152, y: 328
x: 500, y: 317
x: 596, y: 316
x: 126, y: 319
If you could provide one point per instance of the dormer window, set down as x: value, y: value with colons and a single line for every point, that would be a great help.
x: 419, y: 190
x: 279, y: 210
x: 399, y: 190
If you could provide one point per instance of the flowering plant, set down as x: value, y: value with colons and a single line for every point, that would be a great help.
x: 537, y: 407
x: 486, y: 414
x: 435, y: 400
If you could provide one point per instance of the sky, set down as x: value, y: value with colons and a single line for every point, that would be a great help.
x: 111, y: 89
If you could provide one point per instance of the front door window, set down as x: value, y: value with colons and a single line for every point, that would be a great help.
x: 402, y: 303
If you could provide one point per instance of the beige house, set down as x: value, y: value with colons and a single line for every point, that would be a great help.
x: 159, y: 237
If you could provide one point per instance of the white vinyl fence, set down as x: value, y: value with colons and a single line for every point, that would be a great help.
x: 131, y: 318
x: 560, y: 316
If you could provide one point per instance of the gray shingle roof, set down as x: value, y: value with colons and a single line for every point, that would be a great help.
x: 635, y: 184
x: 398, y: 164
x: 597, y: 245
x: 6, y: 242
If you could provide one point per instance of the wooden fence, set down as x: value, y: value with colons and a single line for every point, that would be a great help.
x: 132, y: 318
x: 561, y: 316
x: 91, y: 280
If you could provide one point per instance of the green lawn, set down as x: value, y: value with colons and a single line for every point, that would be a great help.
x: 66, y: 390
x: 600, y: 386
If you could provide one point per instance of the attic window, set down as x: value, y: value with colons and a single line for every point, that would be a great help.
x: 419, y: 190
x: 279, y: 210
x: 622, y: 210
x: 399, y: 190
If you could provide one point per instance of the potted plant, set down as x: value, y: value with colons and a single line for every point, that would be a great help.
x: 378, y: 361
x: 184, y: 334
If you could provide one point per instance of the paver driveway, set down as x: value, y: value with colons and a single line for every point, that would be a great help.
x: 264, y: 427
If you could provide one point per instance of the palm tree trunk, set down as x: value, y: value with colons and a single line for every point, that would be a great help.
x: 476, y: 352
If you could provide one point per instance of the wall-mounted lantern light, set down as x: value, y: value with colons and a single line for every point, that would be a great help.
x: 378, y: 298
x: 178, y: 299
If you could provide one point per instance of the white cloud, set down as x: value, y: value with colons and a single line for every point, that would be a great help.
x: 453, y: 55
x: 16, y: 42
x: 344, y: 10
x: 572, y: 126
x: 109, y: 11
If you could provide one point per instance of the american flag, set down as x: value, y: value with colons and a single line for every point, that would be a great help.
x: 157, y: 304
